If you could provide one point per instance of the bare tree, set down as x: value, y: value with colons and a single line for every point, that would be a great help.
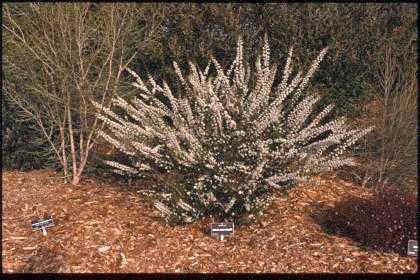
x: 59, y: 58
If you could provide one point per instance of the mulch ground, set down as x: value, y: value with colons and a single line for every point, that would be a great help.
x: 103, y: 226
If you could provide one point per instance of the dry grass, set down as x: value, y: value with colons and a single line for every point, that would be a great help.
x: 389, y: 153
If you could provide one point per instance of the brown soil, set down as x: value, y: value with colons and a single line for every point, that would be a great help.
x: 102, y: 226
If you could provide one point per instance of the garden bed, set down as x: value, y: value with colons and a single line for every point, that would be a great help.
x: 103, y: 226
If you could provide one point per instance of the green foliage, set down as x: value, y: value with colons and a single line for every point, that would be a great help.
x: 354, y: 32
x: 23, y: 147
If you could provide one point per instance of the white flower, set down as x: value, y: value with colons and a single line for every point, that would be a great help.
x: 234, y: 126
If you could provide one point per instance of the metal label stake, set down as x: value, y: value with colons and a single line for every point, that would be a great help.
x: 221, y: 230
x: 412, y: 249
x: 43, y: 224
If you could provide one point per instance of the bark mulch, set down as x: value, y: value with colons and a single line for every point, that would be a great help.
x: 102, y: 226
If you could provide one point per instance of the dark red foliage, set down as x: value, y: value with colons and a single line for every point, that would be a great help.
x: 384, y: 222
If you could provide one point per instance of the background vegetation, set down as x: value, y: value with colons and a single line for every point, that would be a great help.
x: 359, y: 36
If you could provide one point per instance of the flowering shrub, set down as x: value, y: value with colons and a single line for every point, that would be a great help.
x: 229, y: 137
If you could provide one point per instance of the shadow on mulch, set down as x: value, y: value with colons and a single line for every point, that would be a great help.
x: 44, y: 260
x: 384, y: 222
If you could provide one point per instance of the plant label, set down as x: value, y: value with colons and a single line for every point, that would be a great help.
x: 220, y: 230
x: 412, y: 248
x: 43, y: 224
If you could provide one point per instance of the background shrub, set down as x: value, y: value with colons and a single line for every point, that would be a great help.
x: 354, y: 32
x: 23, y: 147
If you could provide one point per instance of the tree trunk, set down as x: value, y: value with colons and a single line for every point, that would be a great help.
x: 76, y: 179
